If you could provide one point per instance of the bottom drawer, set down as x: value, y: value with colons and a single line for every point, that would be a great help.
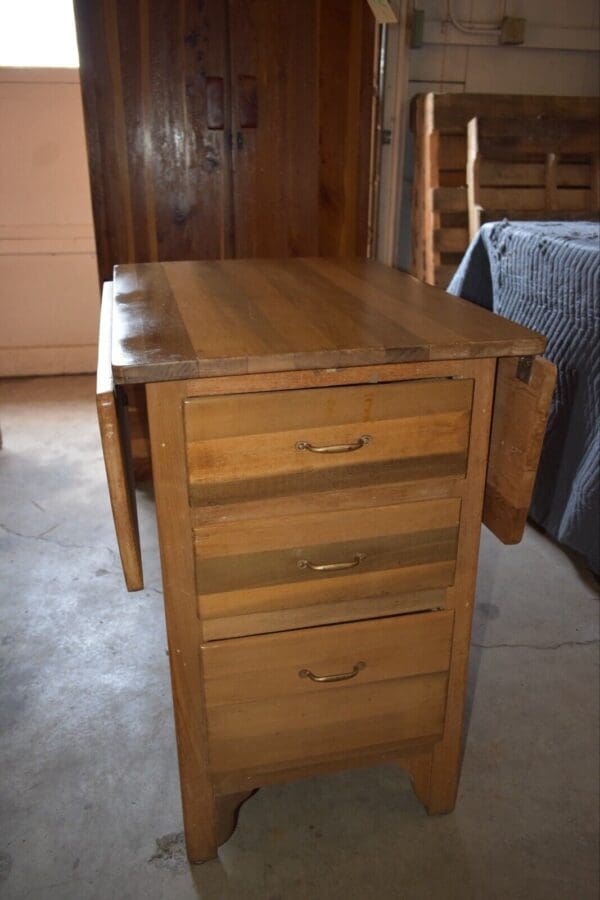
x: 265, y: 711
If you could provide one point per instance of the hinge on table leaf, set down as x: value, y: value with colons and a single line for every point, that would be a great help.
x: 524, y: 368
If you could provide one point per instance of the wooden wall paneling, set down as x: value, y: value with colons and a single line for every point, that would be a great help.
x: 164, y: 83
x: 302, y: 174
x: 159, y: 174
x: 388, y: 158
x: 275, y: 164
x: 104, y: 136
x: 191, y: 161
x: 347, y: 61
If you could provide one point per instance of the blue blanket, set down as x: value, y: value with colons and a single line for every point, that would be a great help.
x: 546, y: 275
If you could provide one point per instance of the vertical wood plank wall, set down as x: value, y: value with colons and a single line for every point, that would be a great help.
x: 169, y: 184
x: 158, y: 174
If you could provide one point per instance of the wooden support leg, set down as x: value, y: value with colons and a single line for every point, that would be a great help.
x: 445, y: 774
x: 434, y: 779
x: 200, y: 818
x: 200, y: 814
x: 435, y: 774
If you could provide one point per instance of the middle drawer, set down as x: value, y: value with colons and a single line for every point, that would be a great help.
x: 268, y: 575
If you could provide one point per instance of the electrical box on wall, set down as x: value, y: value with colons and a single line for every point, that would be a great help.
x: 512, y: 30
x: 417, y: 23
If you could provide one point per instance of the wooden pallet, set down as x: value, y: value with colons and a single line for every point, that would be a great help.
x: 524, y: 131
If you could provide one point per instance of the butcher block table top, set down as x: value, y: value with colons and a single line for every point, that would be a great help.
x: 179, y: 320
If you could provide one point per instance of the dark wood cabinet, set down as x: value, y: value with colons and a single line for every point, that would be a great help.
x: 219, y: 129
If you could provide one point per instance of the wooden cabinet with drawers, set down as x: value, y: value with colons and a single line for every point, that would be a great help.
x: 320, y: 434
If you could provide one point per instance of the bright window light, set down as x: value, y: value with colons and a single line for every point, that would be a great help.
x: 38, y: 33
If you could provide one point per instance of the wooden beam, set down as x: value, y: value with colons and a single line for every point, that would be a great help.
x: 385, y: 11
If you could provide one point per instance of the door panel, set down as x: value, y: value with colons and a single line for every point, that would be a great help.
x: 346, y: 97
x: 302, y: 97
x: 160, y: 174
x: 276, y: 160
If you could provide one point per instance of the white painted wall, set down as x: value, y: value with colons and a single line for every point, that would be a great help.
x: 48, y: 282
x: 560, y: 56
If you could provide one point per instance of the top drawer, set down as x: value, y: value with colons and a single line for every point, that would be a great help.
x: 246, y: 447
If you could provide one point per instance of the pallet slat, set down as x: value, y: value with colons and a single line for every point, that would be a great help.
x: 450, y: 199
x: 451, y: 240
x: 493, y: 173
x: 533, y: 198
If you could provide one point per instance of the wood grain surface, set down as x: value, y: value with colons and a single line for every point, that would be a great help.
x: 232, y: 317
x: 200, y: 813
x: 249, y: 580
x: 261, y: 713
x: 222, y: 129
x: 502, y: 145
x: 115, y: 449
x: 409, y: 706
x: 245, y: 448
x: 519, y: 425
x: 160, y: 176
x: 522, y: 130
x: 438, y: 784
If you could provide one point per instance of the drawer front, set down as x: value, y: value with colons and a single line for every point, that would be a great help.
x: 256, y: 446
x: 275, y: 574
x: 265, y: 711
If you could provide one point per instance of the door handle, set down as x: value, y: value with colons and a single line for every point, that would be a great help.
x: 332, y: 567
x: 215, y: 104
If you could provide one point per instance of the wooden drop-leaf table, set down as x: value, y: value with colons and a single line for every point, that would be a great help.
x: 322, y: 444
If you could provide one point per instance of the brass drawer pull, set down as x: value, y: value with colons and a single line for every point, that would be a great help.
x: 335, y: 448
x: 332, y: 567
x: 341, y: 676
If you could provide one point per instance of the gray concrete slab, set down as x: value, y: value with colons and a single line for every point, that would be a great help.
x: 90, y: 800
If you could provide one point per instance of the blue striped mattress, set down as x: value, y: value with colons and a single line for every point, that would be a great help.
x: 546, y: 275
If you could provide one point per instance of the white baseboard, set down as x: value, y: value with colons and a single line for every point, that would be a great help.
x: 20, y: 361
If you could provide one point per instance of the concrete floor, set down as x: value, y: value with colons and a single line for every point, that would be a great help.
x: 90, y: 798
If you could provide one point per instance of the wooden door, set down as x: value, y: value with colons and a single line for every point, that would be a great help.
x: 175, y: 93
x: 155, y: 84
x: 276, y: 153
x: 302, y: 95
